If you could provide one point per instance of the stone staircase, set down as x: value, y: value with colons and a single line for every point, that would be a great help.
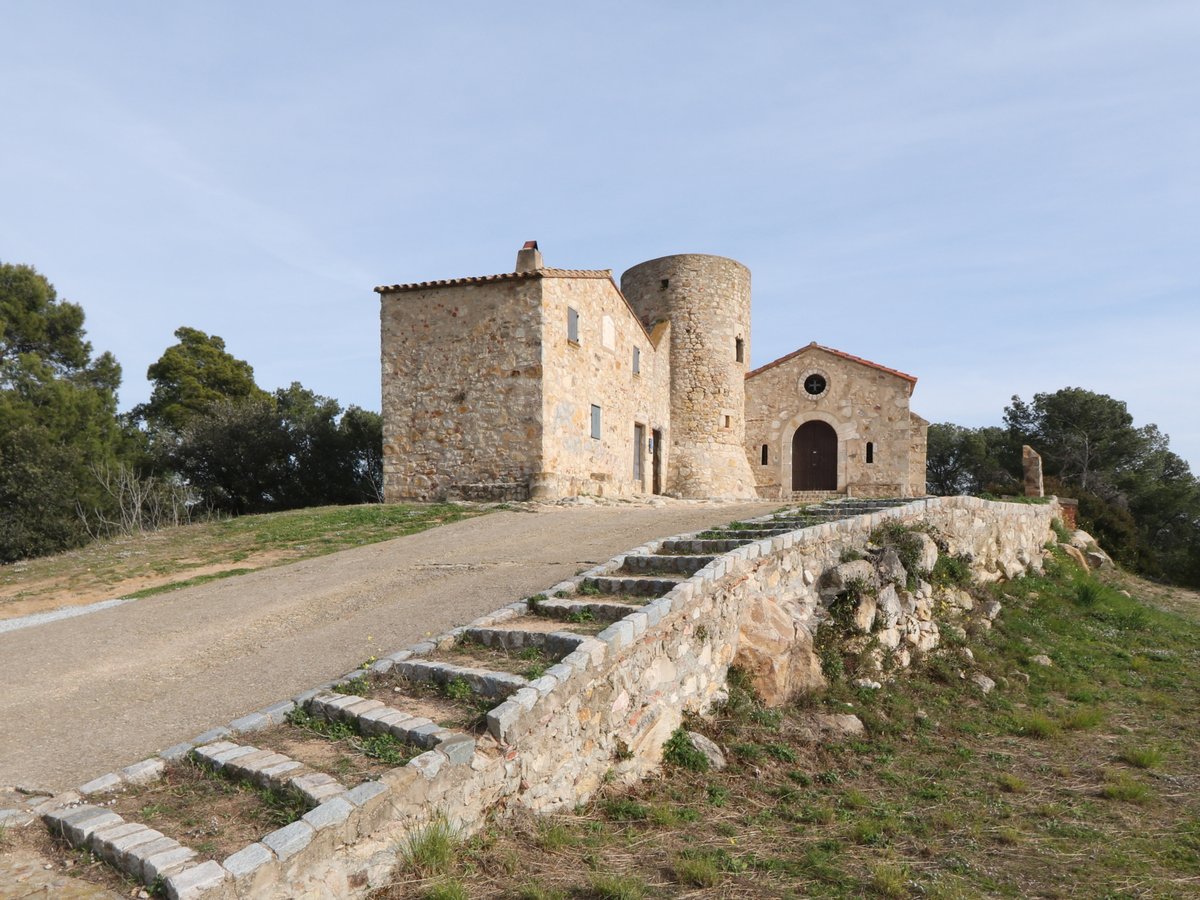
x: 806, y: 497
x: 451, y: 699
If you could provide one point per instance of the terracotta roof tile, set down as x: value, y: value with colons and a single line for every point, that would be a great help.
x: 815, y: 346
x: 504, y: 276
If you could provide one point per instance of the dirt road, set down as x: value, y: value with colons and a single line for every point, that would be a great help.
x: 86, y: 695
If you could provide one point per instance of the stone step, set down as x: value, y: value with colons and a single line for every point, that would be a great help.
x: 600, y: 610
x: 659, y: 564
x: 137, y: 850
x: 268, y: 769
x: 487, y: 683
x: 375, y: 717
x: 744, y: 535
x: 638, y: 587
x: 556, y: 644
x: 698, y: 545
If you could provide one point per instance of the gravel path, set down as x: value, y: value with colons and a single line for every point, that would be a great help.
x: 83, y: 696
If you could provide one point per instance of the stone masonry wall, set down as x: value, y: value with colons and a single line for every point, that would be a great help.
x: 603, y: 712
x: 607, y: 708
x: 707, y: 300
x: 446, y: 435
x: 863, y: 404
x: 598, y: 369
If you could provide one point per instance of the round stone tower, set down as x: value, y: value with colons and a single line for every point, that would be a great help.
x: 707, y: 300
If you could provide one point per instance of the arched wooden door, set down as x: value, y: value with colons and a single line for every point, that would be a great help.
x: 814, y: 457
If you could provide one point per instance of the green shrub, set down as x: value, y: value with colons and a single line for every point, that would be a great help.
x: 1060, y: 531
x: 1089, y: 593
x: 904, y: 541
x: 951, y: 571
x: 679, y: 751
x: 458, y: 689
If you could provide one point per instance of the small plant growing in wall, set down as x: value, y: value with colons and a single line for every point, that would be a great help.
x: 680, y: 751
x: 458, y: 689
x: 535, y: 603
x: 842, y: 607
x: 581, y: 616
x: 951, y: 571
x: 902, y: 539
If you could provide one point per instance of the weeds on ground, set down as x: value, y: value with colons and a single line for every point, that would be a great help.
x: 383, y: 747
x: 1082, y: 775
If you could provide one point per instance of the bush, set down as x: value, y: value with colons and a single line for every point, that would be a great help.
x: 951, y: 571
x: 680, y: 751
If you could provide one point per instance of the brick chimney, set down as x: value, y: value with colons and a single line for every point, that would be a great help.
x: 529, y: 257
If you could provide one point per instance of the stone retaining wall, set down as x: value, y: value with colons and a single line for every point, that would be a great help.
x: 604, y: 711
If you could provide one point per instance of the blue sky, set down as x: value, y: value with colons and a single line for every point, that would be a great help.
x: 997, y: 197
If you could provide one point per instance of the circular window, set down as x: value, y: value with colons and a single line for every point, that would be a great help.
x: 815, y: 384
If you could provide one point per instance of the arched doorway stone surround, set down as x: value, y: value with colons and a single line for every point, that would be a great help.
x: 846, y: 431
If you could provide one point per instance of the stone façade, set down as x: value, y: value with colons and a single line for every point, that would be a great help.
x: 546, y: 383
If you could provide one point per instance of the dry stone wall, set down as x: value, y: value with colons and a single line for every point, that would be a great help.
x: 603, y: 711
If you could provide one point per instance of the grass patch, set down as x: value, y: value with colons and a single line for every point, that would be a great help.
x: 1142, y: 757
x: 679, y: 751
x: 429, y: 851
x: 146, y: 565
x: 948, y: 794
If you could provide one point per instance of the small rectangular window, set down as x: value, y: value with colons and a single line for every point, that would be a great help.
x: 637, y: 360
x: 764, y: 454
x: 739, y: 350
x: 728, y: 421
x: 572, y: 325
x: 595, y: 421
x: 870, y: 452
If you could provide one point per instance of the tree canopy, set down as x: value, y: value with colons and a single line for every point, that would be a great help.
x: 209, y: 437
x: 191, y: 377
x: 1136, y: 496
x: 58, y: 418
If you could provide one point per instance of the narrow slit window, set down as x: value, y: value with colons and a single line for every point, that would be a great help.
x: 595, y: 421
x: 764, y: 454
x: 728, y: 421
x: 870, y: 452
x: 572, y: 325
x: 637, y: 360
x: 739, y: 350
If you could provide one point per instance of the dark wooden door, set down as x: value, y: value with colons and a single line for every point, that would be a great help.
x: 814, y: 457
x: 656, y: 461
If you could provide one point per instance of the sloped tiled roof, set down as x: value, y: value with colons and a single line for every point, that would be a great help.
x: 504, y: 276
x: 848, y: 356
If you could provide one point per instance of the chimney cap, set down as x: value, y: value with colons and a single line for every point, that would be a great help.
x: 530, y: 245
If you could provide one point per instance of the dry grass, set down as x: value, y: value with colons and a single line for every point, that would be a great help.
x: 191, y: 554
x: 948, y: 795
x: 212, y: 815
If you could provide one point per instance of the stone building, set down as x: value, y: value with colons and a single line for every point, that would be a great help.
x: 545, y: 383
